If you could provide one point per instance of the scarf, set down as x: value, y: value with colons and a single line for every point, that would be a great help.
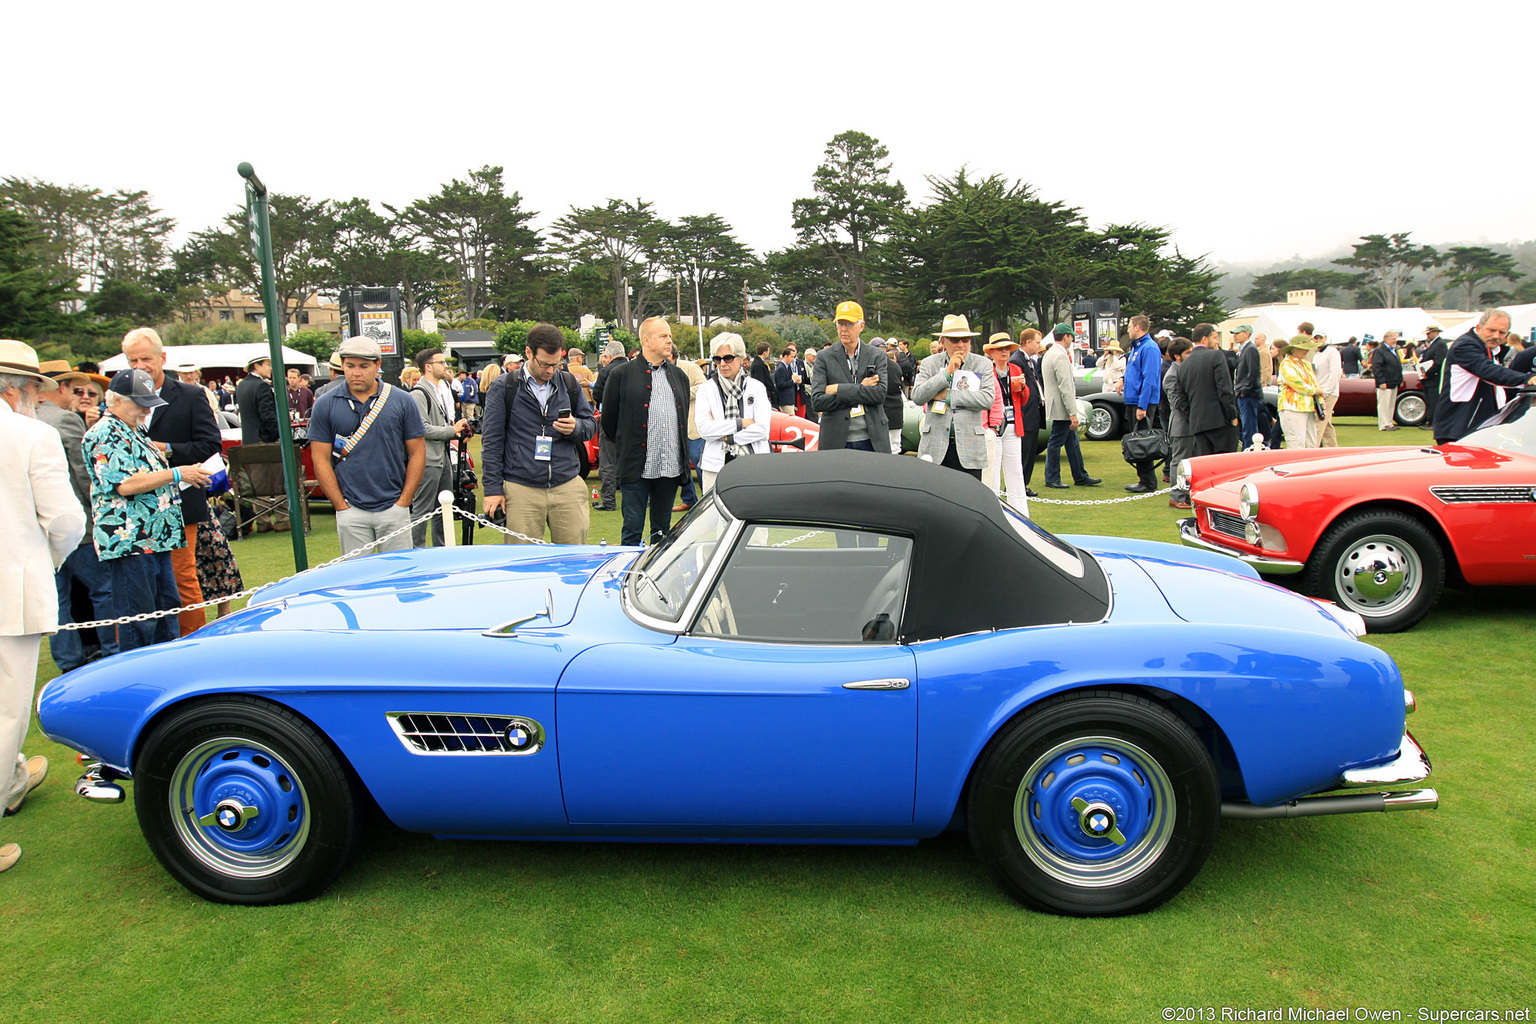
x: 730, y: 398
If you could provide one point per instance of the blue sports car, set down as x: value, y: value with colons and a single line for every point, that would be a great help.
x: 832, y: 648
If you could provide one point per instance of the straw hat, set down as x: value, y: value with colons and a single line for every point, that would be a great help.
x: 1002, y: 339
x: 957, y: 326
x: 1110, y: 345
x: 1300, y: 343
x: 20, y: 359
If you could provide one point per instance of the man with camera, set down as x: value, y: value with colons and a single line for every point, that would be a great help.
x: 534, y: 420
x: 435, y: 403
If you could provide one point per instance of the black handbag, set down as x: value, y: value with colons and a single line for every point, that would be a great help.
x: 1146, y: 445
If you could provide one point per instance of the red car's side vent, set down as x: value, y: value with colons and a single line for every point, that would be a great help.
x: 1486, y: 494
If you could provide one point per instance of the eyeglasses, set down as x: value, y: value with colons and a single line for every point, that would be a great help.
x: 80, y: 392
x: 725, y: 359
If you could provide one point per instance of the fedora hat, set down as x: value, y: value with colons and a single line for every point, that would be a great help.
x: 957, y: 326
x: 20, y: 359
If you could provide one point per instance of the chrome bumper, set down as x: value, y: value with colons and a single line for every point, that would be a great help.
x: 1189, y: 535
x: 1410, y: 765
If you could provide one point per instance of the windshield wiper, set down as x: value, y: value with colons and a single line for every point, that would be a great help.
x: 645, y: 578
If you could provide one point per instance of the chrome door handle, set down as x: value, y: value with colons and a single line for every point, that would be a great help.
x: 878, y: 684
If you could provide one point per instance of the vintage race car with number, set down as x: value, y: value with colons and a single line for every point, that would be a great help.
x: 1377, y: 529
x: 836, y: 648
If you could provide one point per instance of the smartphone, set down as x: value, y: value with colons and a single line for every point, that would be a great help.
x: 564, y: 413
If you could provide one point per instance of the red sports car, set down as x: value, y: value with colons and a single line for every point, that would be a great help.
x: 1378, y: 529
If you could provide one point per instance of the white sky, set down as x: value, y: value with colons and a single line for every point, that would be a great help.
x: 1254, y: 131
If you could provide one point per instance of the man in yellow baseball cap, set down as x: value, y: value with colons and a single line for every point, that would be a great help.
x: 848, y: 388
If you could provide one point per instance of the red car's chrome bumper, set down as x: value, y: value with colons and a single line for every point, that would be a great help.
x: 1189, y: 534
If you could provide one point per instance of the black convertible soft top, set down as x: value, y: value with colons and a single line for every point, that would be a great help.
x: 972, y: 570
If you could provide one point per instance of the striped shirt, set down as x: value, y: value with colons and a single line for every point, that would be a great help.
x: 662, y: 459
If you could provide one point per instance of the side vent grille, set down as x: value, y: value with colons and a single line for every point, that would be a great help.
x: 460, y: 734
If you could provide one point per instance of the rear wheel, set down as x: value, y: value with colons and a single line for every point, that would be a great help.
x: 245, y: 802
x: 1385, y: 566
x: 1095, y: 803
x: 1103, y: 422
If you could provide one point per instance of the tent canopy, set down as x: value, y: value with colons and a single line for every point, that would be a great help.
x: 1280, y: 319
x: 218, y: 358
x: 1522, y: 321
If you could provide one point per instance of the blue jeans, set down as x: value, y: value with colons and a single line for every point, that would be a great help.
x: 695, y: 456
x: 1248, y: 420
x: 1063, y: 434
x: 143, y: 583
x: 82, y: 564
x: 655, y: 494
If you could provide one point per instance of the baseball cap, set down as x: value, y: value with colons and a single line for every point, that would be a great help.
x: 1061, y: 330
x: 1241, y: 328
x: 359, y: 347
x: 137, y: 385
x: 850, y: 311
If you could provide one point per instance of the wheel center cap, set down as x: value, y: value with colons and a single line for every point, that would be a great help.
x: 229, y: 816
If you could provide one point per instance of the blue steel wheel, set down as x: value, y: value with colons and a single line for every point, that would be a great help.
x: 245, y: 802
x: 1094, y: 803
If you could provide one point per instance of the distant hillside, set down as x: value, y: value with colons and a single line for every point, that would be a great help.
x: 1238, y: 278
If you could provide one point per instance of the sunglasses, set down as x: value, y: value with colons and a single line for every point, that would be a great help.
x: 725, y: 359
x: 80, y: 392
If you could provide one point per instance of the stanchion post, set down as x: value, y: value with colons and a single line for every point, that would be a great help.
x: 445, y: 501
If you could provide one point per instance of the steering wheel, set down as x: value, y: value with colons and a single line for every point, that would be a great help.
x: 885, y: 594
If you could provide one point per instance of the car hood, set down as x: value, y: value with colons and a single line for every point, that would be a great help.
x: 471, y: 588
x: 1200, y: 594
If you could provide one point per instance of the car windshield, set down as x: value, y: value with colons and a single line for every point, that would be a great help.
x: 1054, y: 550
x: 665, y: 574
x: 1510, y: 429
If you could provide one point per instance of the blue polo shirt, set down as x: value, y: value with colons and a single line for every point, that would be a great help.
x: 373, y: 475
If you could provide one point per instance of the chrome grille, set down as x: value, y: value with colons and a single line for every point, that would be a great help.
x: 459, y: 734
x: 1226, y: 523
x: 1486, y: 494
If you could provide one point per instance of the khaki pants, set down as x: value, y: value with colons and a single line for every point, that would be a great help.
x: 18, y: 685
x: 567, y: 509
x: 1326, y: 438
x: 1386, y: 405
x: 190, y: 591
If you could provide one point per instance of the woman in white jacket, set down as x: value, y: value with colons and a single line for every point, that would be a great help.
x: 731, y: 409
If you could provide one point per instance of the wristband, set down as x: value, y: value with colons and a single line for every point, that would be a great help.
x: 176, y: 475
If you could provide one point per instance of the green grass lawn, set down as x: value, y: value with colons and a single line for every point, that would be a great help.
x: 1387, y: 912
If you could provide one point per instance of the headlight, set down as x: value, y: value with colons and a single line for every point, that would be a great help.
x: 1248, y: 501
x: 1184, y: 475
x: 1252, y: 535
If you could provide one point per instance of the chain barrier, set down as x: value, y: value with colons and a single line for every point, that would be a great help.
x: 480, y: 520
x: 366, y: 550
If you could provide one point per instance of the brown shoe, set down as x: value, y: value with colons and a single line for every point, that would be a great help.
x: 680, y: 507
x: 10, y: 853
x: 37, y: 771
x: 1172, y: 503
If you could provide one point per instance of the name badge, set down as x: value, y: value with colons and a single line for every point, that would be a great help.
x: 939, y: 407
x: 542, y: 447
x: 857, y: 410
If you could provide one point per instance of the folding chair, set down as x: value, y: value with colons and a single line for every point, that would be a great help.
x: 256, y: 482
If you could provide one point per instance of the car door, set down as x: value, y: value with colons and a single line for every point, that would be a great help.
x: 769, y: 716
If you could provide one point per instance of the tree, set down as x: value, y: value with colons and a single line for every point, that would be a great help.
x: 30, y: 293
x: 706, y: 245
x: 854, y: 203
x: 301, y: 236
x: 368, y: 249
x: 804, y: 283
x: 478, y: 231
x: 1387, y: 262
x: 1469, y: 266
x: 1274, y: 286
x: 124, y: 300
x: 89, y: 235
x: 991, y: 249
x: 1174, y: 290
x: 626, y: 237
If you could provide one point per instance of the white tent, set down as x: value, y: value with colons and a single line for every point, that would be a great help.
x: 218, y: 358
x: 1522, y: 320
x: 1280, y: 319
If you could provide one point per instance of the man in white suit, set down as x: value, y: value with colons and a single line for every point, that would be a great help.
x: 42, y: 521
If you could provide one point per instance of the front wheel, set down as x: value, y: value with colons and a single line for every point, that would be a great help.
x: 1093, y: 804
x: 245, y: 802
x: 1411, y: 408
x: 1103, y: 422
x: 1384, y: 566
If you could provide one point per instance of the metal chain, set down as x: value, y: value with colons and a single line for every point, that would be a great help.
x: 1100, y: 501
x: 147, y: 616
x: 473, y: 517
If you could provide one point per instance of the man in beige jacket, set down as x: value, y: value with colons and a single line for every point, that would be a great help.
x: 42, y: 521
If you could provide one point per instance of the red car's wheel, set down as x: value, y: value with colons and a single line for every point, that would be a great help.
x: 1384, y: 566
